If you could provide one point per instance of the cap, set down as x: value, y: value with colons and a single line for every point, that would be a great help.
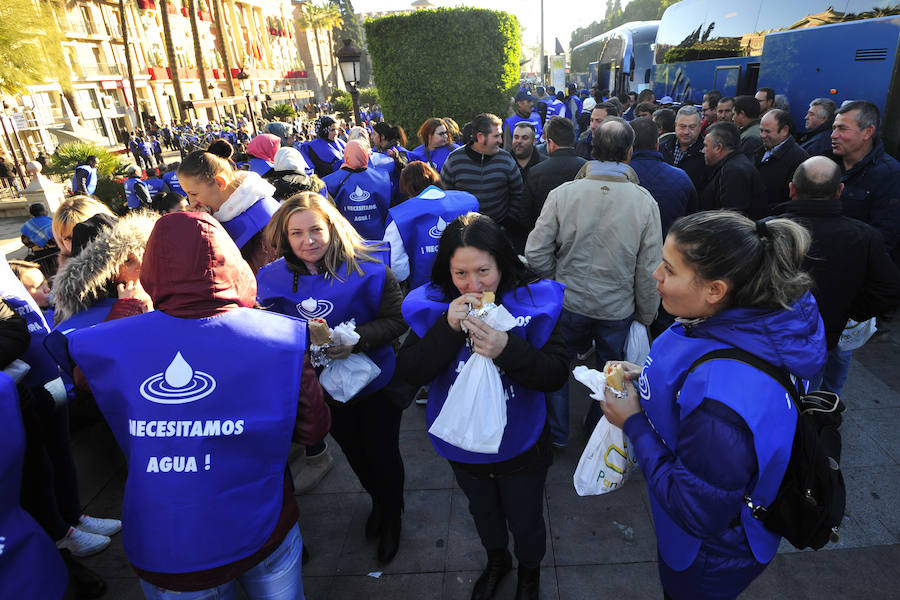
x: 666, y: 100
x: 524, y: 95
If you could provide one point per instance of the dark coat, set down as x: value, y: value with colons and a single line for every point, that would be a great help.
x: 854, y: 276
x: 817, y: 141
x: 693, y: 162
x: 536, y: 157
x: 778, y: 170
x: 670, y: 186
x: 872, y: 193
x: 584, y: 147
x: 543, y: 178
x: 735, y: 183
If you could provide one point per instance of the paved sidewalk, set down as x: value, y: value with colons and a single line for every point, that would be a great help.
x: 597, y: 547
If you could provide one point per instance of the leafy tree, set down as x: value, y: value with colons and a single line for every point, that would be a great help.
x: 350, y: 30
x: 636, y: 10
x: 30, y: 49
x: 342, y: 104
x: 281, y: 112
x: 71, y: 154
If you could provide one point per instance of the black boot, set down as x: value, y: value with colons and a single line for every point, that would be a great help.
x: 499, y: 563
x: 390, y: 540
x: 374, y: 522
x: 84, y: 584
x: 529, y: 585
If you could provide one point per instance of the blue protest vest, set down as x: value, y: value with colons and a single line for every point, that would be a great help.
x: 555, y: 108
x: 55, y: 343
x: 356, y: 297
x: 251, y: 221
x: 146, y: 149
x: 131, y: 196
x: 363, y: 197
x: 436, y: 158
x: 536, y: 308
x: 30, y: 565
x: 764, y: 406
x: 260, y: 166
x: 38, y: 229
x: 43, y: 367
x: 91, y: 180
x: 205, y: 433
x: 421, y: 221
x: 156, y: 186
x: 325, y: 157
x: 171, y: 179
x: 383, y: 161
x: 535, y: 119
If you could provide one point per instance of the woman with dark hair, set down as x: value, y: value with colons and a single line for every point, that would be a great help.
x: 414, y: 227
x: 240, y: 200
x: 506, y: 489
x: 390, y: 154
x: 436, y: 145
x: 326, y: 152
x: 714, y: 439
x: 454, y: 136
x: 327, y: 270
x: 361, y: 193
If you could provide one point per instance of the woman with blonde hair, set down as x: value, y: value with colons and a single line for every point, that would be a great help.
x: 436, y: 144
x: 72, y: 211
x: 327, y: 270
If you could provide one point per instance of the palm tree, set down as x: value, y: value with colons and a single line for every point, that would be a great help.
x: 311, y: 18
x: 170, y: 55
x: 223, y: 46
x: 123, y: 25
x: 331, y: 20
x: 198, y: 54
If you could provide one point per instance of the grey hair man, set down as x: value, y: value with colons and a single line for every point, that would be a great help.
x: 601, y: 236
x: 686, y: 150
x: 816, y: 140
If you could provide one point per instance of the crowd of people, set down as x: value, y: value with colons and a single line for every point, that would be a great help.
x: 584, y: 214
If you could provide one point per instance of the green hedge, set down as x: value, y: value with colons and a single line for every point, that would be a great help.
x: 454, y: 62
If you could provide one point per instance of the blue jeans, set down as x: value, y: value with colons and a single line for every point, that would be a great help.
x: 833, y: 375
x: 578, y: 331
x: 276, y: 577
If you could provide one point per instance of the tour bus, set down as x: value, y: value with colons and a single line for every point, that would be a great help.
x: 620, y: 59
x: 804, y: 49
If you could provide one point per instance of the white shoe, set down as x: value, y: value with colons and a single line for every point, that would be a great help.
x: 314, y: 469
x: 98, y: 526
x: 81, y: 543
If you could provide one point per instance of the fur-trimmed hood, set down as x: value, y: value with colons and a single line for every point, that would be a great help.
x: 89, y: 277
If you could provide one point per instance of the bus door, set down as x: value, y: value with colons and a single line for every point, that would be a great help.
x: 751, y: 80
x: 726, y: 80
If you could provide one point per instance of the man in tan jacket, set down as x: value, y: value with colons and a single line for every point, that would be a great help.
x: 600, y: 235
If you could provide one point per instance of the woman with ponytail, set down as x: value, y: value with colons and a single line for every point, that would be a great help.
x: 241, y: 201
x: 710, y: 436
x: 390, y: 153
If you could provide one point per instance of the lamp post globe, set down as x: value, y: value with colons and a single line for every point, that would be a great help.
x: 349, y: 58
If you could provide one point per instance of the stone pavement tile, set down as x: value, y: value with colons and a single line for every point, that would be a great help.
x: 627, y: 581
x: 873, y: 384
x: 458, y: 585
x: 464, y: 550
x: 858, y: 448
x: 316, y: 588
x: 423, y: 538
x: 421, y: 586
x: 592, y: 529
x: 341, y: 477
x: 111, y: 562
x: 121, y: 588
x: 425, y: 468
x: 882, y: 425
x: 872, y: 500
x: 325, y: 524
x: 880, y: 358
x: 855, y: 573
x: 413, y: 418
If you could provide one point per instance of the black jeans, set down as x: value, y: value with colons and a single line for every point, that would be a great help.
x: 514, y: 501
x: 368, y: 432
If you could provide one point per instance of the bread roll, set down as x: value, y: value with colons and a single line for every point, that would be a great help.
x: 487, y: 298
x: 615, y: 377
x: 319, y: 332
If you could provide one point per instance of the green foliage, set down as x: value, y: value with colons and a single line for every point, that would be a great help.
x: 342, y: 103
x: 30, y: 49
x: 444, y: 63
x: 281, y: 112
x: 69, y: 155
x: 112, y: 193
x: 368, y: 96
x: 615, y: 15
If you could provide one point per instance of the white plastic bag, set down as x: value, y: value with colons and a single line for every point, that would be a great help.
x: 637, y: 344
x: 608, y: 456
x: 606, y: 461
x: 344, y: 378
x: 474, y: 414
x: 856, y: 334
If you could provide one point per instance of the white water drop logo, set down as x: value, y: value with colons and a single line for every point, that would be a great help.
x: 314, y: 309
x: 438, y: 229
x: 178, y: 384
x: 359, y: 195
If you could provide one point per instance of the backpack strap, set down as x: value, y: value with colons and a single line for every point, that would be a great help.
x: 779, y: 375
x: 341, y: 184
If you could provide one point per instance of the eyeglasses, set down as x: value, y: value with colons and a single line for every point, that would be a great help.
x: 440, y: 133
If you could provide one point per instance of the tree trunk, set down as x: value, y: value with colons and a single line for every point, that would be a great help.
x: 170, y: 55
x: 223, y: 46
x: 124, y: 25
x: 333, y: 66
x: 321, y: 66
x: 198, y: 57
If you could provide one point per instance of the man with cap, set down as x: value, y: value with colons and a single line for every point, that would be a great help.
x: 524, y: 112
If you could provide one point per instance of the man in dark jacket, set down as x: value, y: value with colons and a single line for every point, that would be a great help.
x: 871, y: 176
x: 779, y: 155
x: 746, y: 117
x: 854, y: 276
x: 819, y: 120
x: 598, y: 114
x: 733, y: 182
x: 562, y: 166
x: 670, y: 186
x: 686, y: 150
x: 523, y: 147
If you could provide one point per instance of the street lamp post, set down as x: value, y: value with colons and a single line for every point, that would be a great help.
x: 348, y: 57
x: 246, y: 87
